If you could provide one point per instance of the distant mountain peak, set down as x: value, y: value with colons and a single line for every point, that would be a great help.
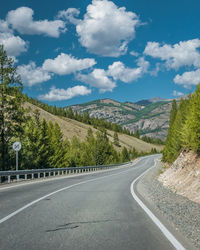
x: 149, y: 101
x: 156, y: 99
x: 110, y: 101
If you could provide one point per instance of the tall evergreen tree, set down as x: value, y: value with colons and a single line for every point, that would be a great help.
x: 125, y: 155
x: 167, y: 152
x: 58, y: 151
x: 102, y: 148
x: 191, y: 129
x: 116, y: 140
x: 11, y: 110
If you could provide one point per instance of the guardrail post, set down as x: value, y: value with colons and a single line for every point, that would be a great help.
x: 9, y: 179
x: 62, y: 172
x: 17, y: 177
x: 38, y: 175
x: 25, y: 176
x: 54, y: 173
x: 49, y: 173
x: 32, y: 176
x: 44, y: 174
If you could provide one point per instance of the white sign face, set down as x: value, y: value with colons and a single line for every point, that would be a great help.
x: 17, y: 146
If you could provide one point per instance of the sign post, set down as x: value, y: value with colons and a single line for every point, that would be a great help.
x: 17, y: 146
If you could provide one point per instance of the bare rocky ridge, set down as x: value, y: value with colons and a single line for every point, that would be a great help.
x: 183, y: 177
x: 150, y: 117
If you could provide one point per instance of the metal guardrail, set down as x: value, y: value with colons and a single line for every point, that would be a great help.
x: 44, y: 173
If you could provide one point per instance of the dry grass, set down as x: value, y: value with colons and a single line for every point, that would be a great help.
x: 72, y: 128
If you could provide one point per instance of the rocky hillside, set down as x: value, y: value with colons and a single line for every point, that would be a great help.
x: 150, y: 117
x: 183, y: 177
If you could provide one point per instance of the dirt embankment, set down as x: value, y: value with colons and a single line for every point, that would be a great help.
x: 183, y: 177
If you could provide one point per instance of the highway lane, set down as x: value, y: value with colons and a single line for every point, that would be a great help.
x: 94, y: 211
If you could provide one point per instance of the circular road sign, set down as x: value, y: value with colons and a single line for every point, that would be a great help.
x: 17, y: 146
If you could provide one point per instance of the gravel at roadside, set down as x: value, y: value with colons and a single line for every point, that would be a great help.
x: 182, y: 213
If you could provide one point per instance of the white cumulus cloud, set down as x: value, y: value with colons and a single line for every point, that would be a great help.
x: 106, y: 29
x: 13, y: 45
x: 65, y: 64
x: 32, y: 75
x: 184, y: 53
x: 65, y: 94
x: 187, y: 79
x: 21, y: 20
x: 98, y: 78
x: 177, y: 93
x: 4, y: 27
x: 120, y: 72
x: 70, y: 14
x: 134, y: 53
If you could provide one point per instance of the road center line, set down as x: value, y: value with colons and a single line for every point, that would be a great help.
x: 60, y: 190
x: 158, y: 223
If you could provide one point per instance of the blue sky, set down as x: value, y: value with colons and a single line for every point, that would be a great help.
x: 73, y: 51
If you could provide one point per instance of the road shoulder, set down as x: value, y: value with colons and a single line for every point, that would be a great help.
x: 177, y: 213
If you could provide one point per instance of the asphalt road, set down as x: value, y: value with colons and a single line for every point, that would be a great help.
x: 95, y: 211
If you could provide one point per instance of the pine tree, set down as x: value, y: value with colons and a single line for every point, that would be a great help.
x: 103, y: 149
x: 29, y: 145
x: 116, y: 140
x: 88, y: 156
x: 58, y: 151
x: 167, y: 152
x: 43, y: 147
x: 125, y: 155
x: 74, y: 153
x: 137, y: 134
x: 176, y: 137
x: 11, y: 110
x: 191, y: 129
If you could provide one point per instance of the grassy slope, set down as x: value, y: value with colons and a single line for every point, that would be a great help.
x: 72, y: 128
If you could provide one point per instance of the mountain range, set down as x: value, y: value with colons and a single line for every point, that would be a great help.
x: 150, y: 117
x: 71, y: 128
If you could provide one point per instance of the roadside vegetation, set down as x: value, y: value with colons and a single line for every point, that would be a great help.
x: 184, y: 127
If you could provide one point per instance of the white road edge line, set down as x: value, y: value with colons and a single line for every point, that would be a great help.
x: 158, y: 223
x: 59, y: 190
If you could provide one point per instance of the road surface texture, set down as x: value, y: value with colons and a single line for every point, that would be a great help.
x: 95, y: 211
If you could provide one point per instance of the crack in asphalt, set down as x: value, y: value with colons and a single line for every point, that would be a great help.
x: 73, y: 225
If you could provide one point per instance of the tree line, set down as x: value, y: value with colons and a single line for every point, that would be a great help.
x: 184, y: 127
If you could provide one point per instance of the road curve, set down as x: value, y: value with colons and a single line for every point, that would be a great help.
x: 95, y: 211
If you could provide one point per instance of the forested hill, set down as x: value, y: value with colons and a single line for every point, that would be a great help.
x: 184, y: 127
x: 182, y: 149
x: 71, y: 127
x: 50, y: 141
